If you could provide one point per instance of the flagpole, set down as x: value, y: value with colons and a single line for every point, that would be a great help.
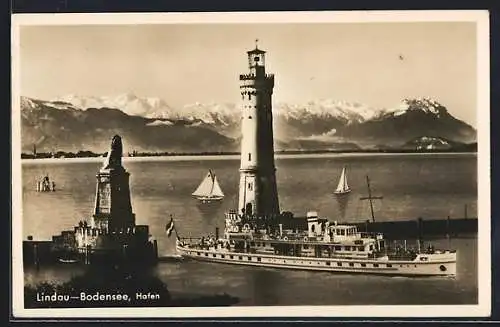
x: 174, y: 228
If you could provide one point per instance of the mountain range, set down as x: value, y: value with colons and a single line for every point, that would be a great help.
x: 73, y: 123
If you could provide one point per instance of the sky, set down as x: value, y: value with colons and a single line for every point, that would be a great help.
x: 377, y: 64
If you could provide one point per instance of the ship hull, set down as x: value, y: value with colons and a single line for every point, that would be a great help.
x: 210, y: 199
x: 443, y: 267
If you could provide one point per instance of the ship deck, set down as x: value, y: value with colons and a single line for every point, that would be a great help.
x: 445, y: 266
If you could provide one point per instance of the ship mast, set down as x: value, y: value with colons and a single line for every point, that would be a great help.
x: 370, y: 198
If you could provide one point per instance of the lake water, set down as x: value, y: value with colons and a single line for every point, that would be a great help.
x: 430, y: 186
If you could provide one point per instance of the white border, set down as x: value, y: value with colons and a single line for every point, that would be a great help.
x: 481, y: 18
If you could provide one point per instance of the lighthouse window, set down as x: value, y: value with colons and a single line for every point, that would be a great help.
x: 249, y: 96
x: 249, y: 157
x: 249, y: 117
x: 256, y: 59
x: 250, y: 186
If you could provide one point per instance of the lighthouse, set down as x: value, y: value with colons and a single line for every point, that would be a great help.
x: 258, y: 194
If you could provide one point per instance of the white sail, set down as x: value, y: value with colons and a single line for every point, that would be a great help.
x: 205, y: 188
x: 216, y: 190
x: 209, y: 187
x: 342, y: 187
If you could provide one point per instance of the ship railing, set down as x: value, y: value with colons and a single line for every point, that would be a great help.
x: 202, y: 242
x: 288, y: 237
x: 191, y: 241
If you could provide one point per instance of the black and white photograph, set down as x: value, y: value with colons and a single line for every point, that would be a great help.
x: 326, y: 164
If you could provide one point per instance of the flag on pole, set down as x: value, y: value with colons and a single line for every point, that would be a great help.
x: 170, y: 226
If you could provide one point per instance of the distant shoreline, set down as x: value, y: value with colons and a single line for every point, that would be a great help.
x: 90, y: 154
x: 194, y: 157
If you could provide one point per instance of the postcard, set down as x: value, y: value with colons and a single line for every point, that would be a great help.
x: 272, y: 164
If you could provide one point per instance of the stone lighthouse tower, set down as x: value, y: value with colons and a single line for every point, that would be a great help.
x: 258, y: 194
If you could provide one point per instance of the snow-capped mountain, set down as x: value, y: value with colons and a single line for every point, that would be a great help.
x: 32, y: 104
x: 59, y: 126
x: 412, y: 118
x: 348, y: 112
x: 326, y: 122
x: 128, y: 103
x: 223, y: 113
x: 426, y: 105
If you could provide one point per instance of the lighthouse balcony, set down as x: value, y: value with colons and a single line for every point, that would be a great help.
x: 244, y: 77
x: 257, y: 81
x: 249, y: 169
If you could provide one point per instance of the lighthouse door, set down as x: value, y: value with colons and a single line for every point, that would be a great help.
x: 249, y: 209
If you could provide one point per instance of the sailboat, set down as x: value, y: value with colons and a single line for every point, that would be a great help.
x: 342, y: 187
x: 209, y: 190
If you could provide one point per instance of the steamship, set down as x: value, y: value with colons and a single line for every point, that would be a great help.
x: 259, y: 234
x: 321, y: 246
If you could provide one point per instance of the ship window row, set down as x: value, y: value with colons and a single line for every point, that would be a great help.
x: 328, y: 263
x: 306, y: 247
x: 344, y: 232
x: 222, y: 256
